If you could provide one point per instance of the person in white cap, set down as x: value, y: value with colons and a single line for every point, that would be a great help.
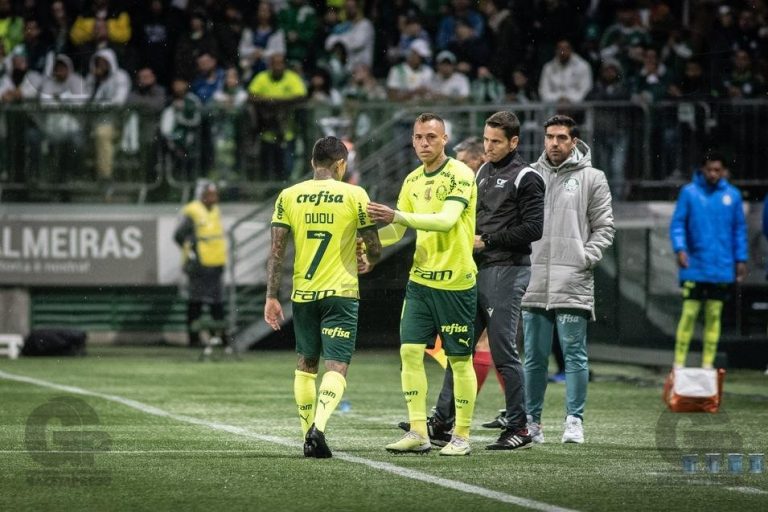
x: 448, y: 83
x: 411, y: 79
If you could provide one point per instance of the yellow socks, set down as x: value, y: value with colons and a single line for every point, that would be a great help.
x: 414, y: 382
x: 685, y: 330
x: 713, y: 310
x: 464, y: 392
x: 304, y: 393
x: 328, y: 397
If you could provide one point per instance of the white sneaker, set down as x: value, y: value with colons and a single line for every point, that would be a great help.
x: 574, y: 430
x: 535, y: 431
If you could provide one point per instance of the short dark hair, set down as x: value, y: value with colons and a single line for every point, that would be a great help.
x: 328, y: 150
x: 472, y: 145
x: 425, y: 117
x: 714, y: 156
x: 506, y: 121
x: 561, y: 120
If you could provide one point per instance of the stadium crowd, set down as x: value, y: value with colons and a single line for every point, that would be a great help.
x: 180, y: 57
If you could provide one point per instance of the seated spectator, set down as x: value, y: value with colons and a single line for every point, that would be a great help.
x: 356, y: 34
x: 11, y: 27
x: 20, y: 83
x: 274, y: 92
x: 232, y: 95
x: 209, y: 78
x: 260, y: 37
x: 192, y: 43
x: 153, y: 40
x: 411, y: 79
x: 460, y: 10
x: 748, y: 34
x: 522, y: 90
x: 449, y: 84
x: 471, y: 49
x: 505, y: 35
x: 653, y: 81
x: 626, y: 40
x: 337, y: 65
x: 565, y: 79
x: 320, y: 89
x: 610, y: 85
x: 106, y: 84
x: 147, y: 93
x: 364, y: 86
x: 58, y: 29
x: 486, y: 88
x: 87, y: 36
x: 179, y: 127
x: 741, y: 81
x: 228, y: 32
x: 692, y: 86
x: 299, y: 23
x: 227, y: 123
x: 676, y: 51
x: 38, y: 50
x: 412, y: 30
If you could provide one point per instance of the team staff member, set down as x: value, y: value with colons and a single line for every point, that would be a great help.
x: 201, y: 237
x: 324, y: 215
x: 438, y: 200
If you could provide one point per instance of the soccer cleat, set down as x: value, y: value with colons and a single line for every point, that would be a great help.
x: 535, y: 431
x: 512, y: 439
x: 316, y: 441
x: 457, y: 447
x: 411, y: 442
x: 557, y: 378
x: 574, y: 430
x: 499, y: 421
x: 439, y: 432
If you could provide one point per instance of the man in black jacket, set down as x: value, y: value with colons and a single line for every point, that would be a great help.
x: 510, y: 215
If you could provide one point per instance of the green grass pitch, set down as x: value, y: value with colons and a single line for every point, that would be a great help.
x: 177, y: 434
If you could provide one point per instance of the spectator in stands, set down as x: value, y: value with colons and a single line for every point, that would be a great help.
x: 652, y: 82
x: 227, y: 124
x: 321, y: 90
x: 550, y: 22
x: 692, y: 85
x: 410, y: 80
x: 611, y: 139
x: 676, y: 51
x: 364, y: 86
x: 200, y: 235
x: 748, y: 36
x: 64, y: 84
x: 180, y: 126
x: 228, y: 32
x: 626, y: 40
x: 147, y: 93
x: 261, y: 37
x: 449, y: 84
x: 39, y: 51
x: 154, y: 41
x: 460, y: 10
x: 114, y: 31
x: 356, y: 34
x: 194, y: 42
x: 486, y: 88
x: 709, y: 236
x: 522, y: 89
x: 19, y: 83
x: 106, y: 84
x: 58, y: 29
x: 209, y: 78
x: 412, y: 30
x: 274, y: 93
x: 299, y: 23
x: 232, y: 95
x: 565, y: 79
x: 722, y: 40
x: 505, y: 36
x: 471, y: 50
x: 742, y: 81
x: 11, y: 27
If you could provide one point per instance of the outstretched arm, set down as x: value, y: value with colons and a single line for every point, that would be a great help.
x: 443, y: 220
x: 273, y: 311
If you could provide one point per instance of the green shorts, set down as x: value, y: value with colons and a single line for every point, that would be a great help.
x: 693, y: 290
x: 326, y: 327
x: 428, y: 312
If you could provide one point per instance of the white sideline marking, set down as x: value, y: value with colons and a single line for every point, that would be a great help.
x: 241, y: 431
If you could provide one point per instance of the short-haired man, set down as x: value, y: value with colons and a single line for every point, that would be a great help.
x: 438, y: 200
x: 578, y: 228
x: 709, y: 237
x: 324, y: 215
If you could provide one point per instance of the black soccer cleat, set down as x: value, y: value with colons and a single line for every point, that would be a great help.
x: 316, y: 441
x: 438, y: 431
x: 499, y: 421
x: 512, y: 439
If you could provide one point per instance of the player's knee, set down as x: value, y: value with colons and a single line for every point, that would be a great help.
x: 412, y: 355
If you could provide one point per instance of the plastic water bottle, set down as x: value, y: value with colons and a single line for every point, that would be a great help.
x: 345, y: 406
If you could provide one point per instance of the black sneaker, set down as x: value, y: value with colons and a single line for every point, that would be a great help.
x: 439, y: 432
x: 317, y: 447
x: 499, y: 421
x: 512, y: 439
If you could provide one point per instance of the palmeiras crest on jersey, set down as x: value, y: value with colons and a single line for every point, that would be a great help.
x: 571, y: 184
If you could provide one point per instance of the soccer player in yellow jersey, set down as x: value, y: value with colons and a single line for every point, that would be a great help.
x: 325, y: 216
x: 438, y: 200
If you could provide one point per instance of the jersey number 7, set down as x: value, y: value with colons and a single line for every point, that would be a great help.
x: 325, y: 239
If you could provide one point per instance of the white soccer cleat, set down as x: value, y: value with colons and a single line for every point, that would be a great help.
x: 535, y: 431
x: 574, y: 430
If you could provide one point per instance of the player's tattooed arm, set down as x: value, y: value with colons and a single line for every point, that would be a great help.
x: 372, y: 245
x: 275, y: 261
